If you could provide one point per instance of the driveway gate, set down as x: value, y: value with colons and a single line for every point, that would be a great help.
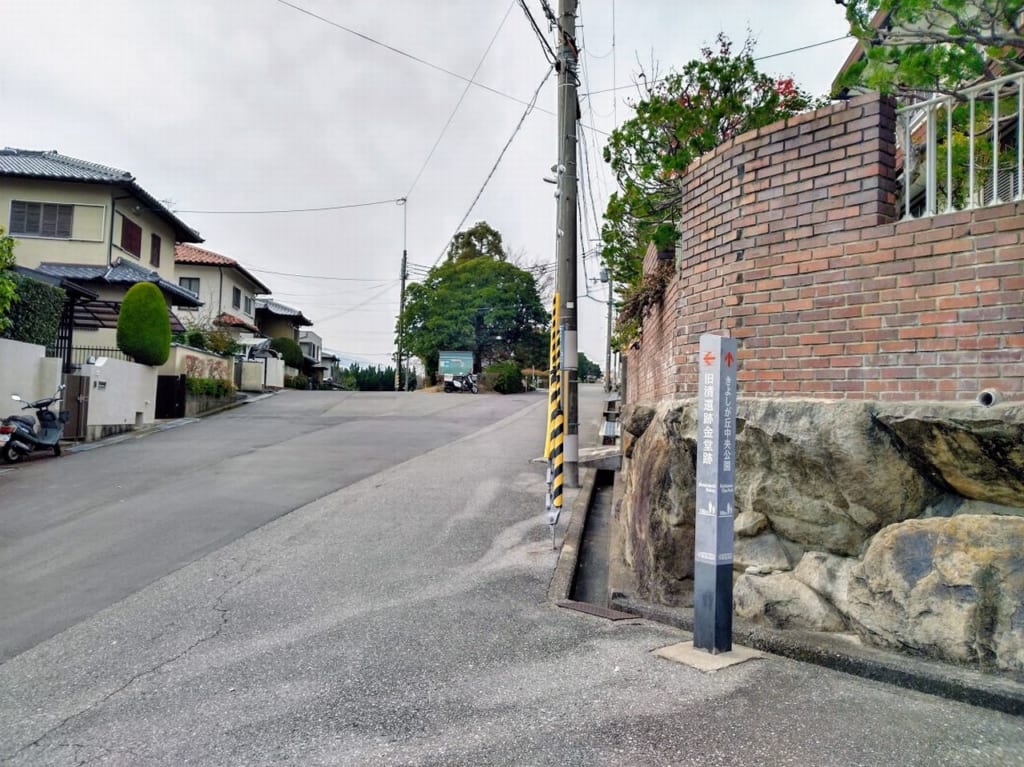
x: 170, y: 396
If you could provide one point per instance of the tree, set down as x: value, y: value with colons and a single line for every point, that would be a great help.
x: 475, y: 301
x: 479, y: 240
x: 289, y: 350
x: 8, y: 289
x: 933, y: 46
x: 680, y: 117
x: 143, y: 325
x: 588, y: 369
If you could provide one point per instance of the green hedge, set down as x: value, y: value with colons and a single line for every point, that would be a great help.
x: 35, y: 315
x: 210, y: 387
x: 505, y: 377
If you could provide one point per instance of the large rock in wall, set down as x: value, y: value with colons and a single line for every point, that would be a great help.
x: 900, y: 522
x: 951, y: 588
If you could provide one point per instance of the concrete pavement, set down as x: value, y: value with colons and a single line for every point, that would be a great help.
x: 404, y: 620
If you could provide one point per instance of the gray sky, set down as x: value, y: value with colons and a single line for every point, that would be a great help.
x: 228, y: 105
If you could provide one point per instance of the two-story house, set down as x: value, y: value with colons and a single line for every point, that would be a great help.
x: 276, y: 320
x: 95, y: 225
x: 227, y: 289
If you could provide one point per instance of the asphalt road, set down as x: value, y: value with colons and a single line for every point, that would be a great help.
x: 80, y: 532
x: 403, y: 620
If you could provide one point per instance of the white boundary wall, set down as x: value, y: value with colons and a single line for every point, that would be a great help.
x: 26, y: 370
x: 120, y: 394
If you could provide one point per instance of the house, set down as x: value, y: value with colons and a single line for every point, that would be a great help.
x: 312, y: 345
x: 92, y: 224
x: 275, y: 320
x: 227, y: 289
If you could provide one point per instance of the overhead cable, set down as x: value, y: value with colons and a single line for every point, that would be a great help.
x: 407, y: 55
x: 462, y: 97
x: 497, y: 162
x: 319, y: 209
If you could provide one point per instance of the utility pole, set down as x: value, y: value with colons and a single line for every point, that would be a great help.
x: 568, y: 55
x: 401, y: 301
x: 606, y: 277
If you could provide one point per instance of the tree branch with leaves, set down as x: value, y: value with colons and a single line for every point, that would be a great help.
x: 933, y: 46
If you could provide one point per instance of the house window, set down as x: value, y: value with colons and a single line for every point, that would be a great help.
x: 236, y: 298
x: 189, y: 283
x: 131, y: 237
x: 41, y: 219
x: 154, y: 250
x: 248, y: 305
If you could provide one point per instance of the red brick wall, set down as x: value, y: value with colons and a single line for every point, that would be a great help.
x: 789, y: 244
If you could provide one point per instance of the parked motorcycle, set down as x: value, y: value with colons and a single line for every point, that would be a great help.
x: 19, y: 435
x: 463, y: 383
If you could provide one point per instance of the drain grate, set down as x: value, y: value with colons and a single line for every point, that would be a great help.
x: 598, y: 610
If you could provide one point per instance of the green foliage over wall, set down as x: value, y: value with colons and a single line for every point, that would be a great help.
x: 289, y: 350
x: 8, y: 293
x: 143, y: 326
x: 505, y: 377
x: 34, y: 317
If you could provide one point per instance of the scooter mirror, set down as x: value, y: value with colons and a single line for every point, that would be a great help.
x: 16, y: 398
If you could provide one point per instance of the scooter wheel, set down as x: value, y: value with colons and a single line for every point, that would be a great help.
x: 10, y: 455
x: 57, y: 450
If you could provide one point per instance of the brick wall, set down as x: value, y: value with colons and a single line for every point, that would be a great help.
x: 789, y: 244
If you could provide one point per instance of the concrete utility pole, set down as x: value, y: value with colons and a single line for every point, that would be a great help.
x: 566, y: 239
x: 401, y: 301
x: 606, y: 277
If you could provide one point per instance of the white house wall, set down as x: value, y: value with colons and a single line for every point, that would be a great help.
x: 91, y: 226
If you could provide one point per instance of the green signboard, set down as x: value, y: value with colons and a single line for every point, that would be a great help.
x: 455, y: 363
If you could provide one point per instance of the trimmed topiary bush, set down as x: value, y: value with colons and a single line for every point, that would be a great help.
x: 289, y: 350
x: 143, y: 326
x: 505, y: 377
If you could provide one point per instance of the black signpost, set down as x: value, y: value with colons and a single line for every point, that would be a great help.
x: 716, y: 462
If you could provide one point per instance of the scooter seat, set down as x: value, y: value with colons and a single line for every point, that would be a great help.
x: 28, y: 420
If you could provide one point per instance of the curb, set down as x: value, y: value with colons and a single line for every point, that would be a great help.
x: 838, y: 652
x: 560, y: 588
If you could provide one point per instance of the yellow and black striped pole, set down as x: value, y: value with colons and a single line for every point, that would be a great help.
x: 556, y: 426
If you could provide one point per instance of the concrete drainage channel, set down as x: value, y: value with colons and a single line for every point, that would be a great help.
x: 581, y: 579
x: 582, y: 582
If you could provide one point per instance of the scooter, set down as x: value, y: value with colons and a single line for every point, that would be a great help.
x: 18, y: 434
x: 461, y: 383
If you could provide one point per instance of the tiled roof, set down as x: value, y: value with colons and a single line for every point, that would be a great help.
x: 121, y: 273
x: 273, y: 307
x: 191, y: 255
x: 236, y: 322
x: 28, y: 163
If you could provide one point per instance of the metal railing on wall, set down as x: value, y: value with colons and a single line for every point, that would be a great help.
x: 963, y: 151
x: 81, y: 355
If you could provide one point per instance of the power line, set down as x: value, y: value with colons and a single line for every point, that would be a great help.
x: 374, y: 297
x: 316, y: 276
x: 497, y: 162
x: 293, y: 210
x: 549, y: 53
x: 756, y: 58
x: 407, y: 55
x: 462, y: 97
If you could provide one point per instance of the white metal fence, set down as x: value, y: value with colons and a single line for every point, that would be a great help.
x: 963, y: 151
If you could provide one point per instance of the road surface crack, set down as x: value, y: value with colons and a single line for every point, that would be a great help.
x: 217, y: 607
